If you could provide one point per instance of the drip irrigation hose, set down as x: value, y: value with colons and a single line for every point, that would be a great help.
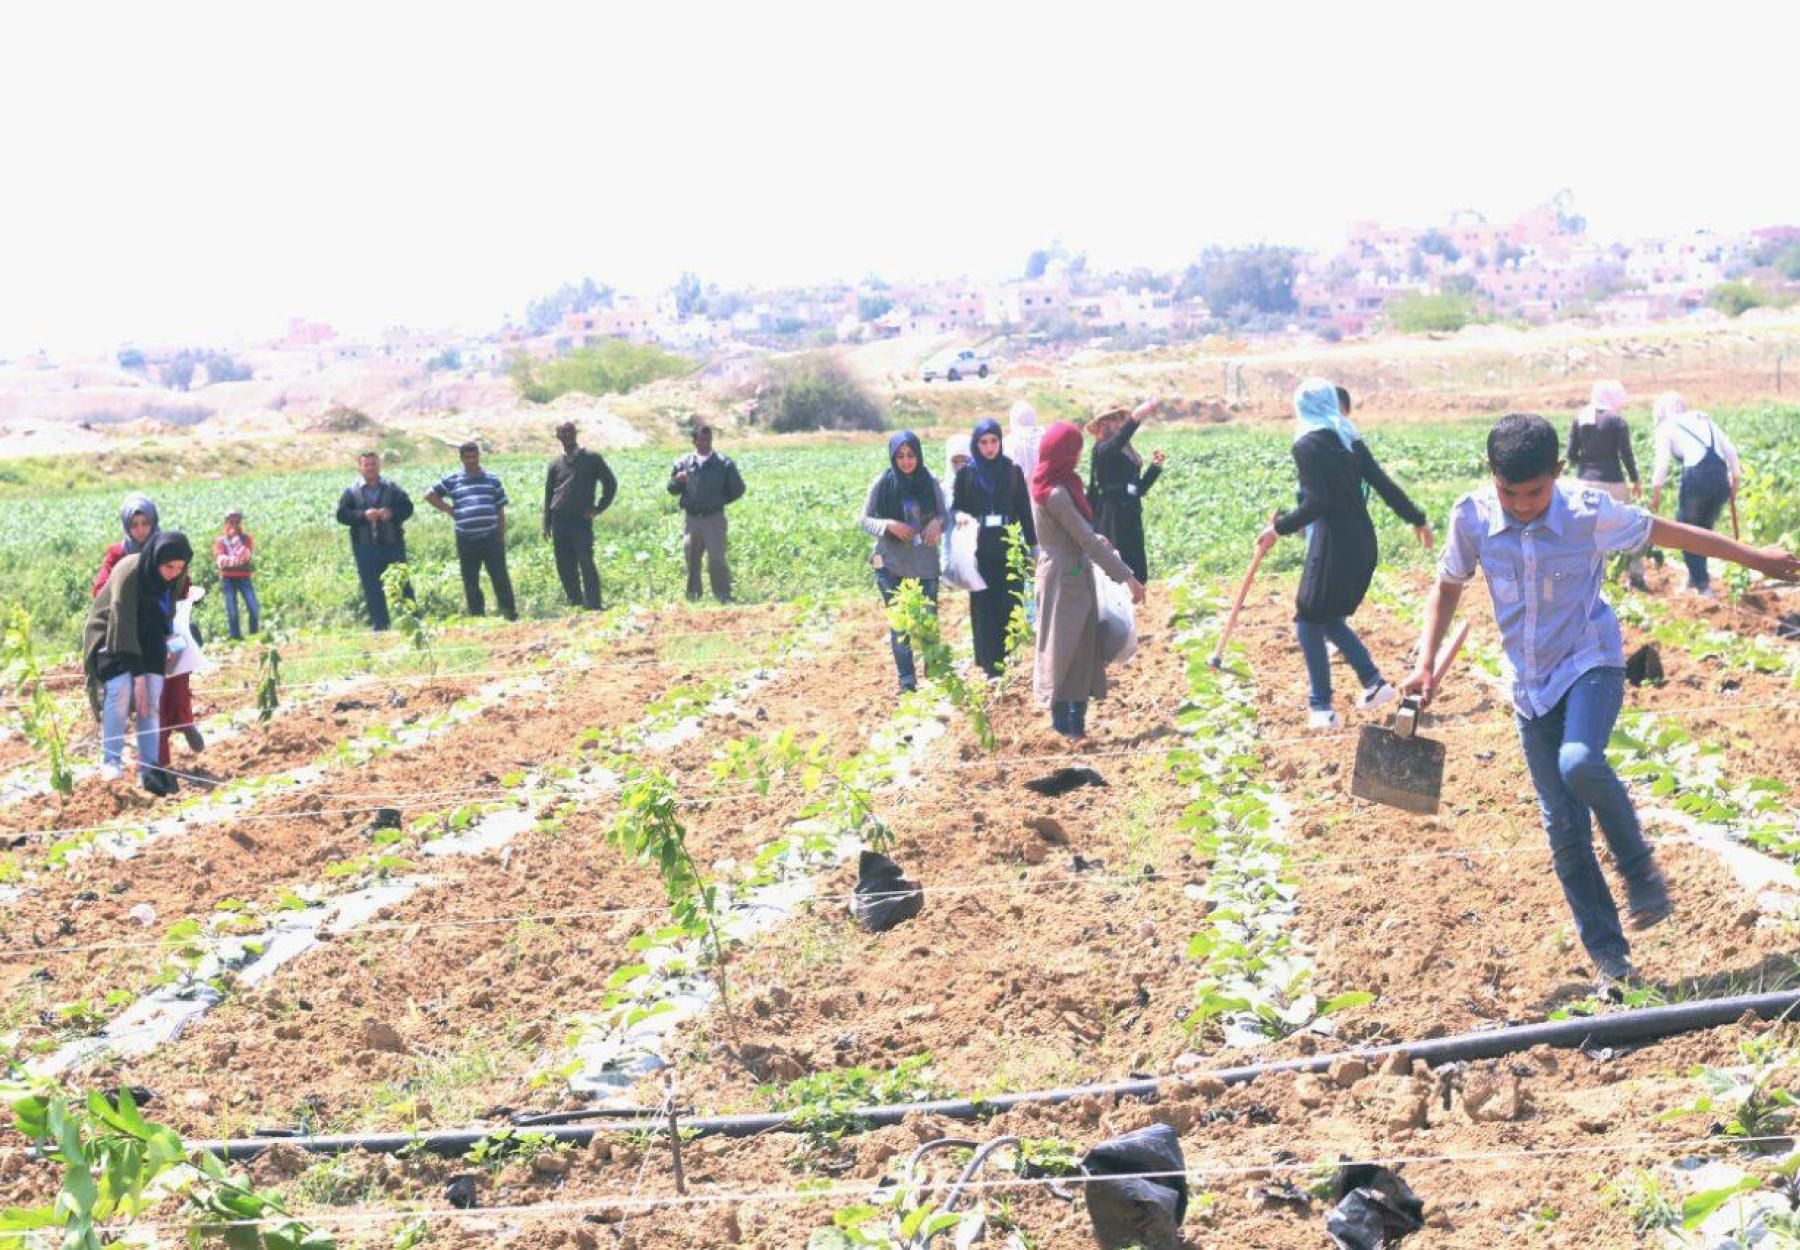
x: 1616, y: 1029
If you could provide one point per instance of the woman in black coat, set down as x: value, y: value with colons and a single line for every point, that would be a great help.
x: 990, y: 489
x: 1333, y: 464
x: 1118, y: 482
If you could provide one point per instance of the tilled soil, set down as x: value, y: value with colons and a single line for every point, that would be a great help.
x: 288, y: 840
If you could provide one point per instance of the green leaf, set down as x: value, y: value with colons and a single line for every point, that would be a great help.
x: 1344, y: 1002
x: 1697, y: 1208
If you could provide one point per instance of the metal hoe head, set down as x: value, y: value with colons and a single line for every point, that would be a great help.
x: 1397, y: 767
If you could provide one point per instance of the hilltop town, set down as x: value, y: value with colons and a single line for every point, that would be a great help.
x: 1544, y: 267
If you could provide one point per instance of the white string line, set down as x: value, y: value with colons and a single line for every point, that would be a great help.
x: 1469, y: 723
x: 861, y: 1190
x: 662, y: 1113
x: 1015, y: 886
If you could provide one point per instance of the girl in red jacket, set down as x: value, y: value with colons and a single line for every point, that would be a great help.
x: 232, y: 554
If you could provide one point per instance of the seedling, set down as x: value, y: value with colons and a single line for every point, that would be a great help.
x: 911, y: 614
x: 268, y: 682
x: 116, y: 1165
x: 1748, y: 1101
x: 835, y: 788
x: 505, y: 1145
x: 38, y: 718
x: 648, y: 828
x: 396, y: 584
x: 823, y: 1104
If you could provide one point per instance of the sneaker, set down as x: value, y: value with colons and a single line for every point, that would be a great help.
x: 111, y: 772
x: 1611, y: 984
x: 1377, y: 695
x: 1327, y: 719
x: 195, y: 742
x: 156, y: 781
x: 1703, y: 592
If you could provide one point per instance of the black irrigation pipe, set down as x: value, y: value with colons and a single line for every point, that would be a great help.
x: 1615, y: 1029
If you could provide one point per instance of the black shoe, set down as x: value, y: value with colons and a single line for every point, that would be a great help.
x: 160, y: 782
x: 195, y: 742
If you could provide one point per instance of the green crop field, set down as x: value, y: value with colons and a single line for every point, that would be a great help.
x: 794, y: 533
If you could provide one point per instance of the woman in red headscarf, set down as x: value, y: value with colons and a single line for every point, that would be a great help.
x: 1070, y: 669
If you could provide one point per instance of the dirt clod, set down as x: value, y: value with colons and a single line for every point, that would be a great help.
x: 380, y: 1035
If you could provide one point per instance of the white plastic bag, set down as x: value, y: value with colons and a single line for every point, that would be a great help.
x: 1117, y: 640
x: 957, y: 549
x: 189, y: 659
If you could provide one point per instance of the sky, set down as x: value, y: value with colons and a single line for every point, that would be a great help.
x: 199, y: 173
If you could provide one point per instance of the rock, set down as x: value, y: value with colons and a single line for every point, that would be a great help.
x: 1397, y: 1064
x: 1050, y: 829
x: 285, y: 1161
x: 1309, y: 1090
x: 379, y: 1035
x: 599, y: 1153
x: 197, y: 1099
x: 1207, y: 1087
x: 584, y: 1239
x: 551, y: 1163
x: 1491, y: 1097
x: 1398, y: 1103
x: 1346, y: 1072
x: 1747, y: 918
x: 144, y: 914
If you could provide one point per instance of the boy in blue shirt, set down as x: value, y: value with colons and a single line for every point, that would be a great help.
x: 1543, y: 546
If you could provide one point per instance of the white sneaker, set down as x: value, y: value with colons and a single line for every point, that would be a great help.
x: 1375, y: 696
x: 111, y: 772
x: 1327, y: 719
x: 1703, y: 592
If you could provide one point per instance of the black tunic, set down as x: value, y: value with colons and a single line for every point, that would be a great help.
x: 991, y: 609
x: 1341, y: 558
x: 1118, y: 485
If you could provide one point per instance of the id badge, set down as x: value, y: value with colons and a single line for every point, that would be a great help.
x: 993, y: 520
x: 1131, y: 489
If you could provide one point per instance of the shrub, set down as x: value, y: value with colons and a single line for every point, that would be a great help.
x: 1445, y: 310
x: 816, y: 391
x: 223, y: 368
x: 610, y: 368
x: 1734, y: 299
x: 449, y: 358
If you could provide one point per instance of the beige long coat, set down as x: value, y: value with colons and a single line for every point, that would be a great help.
x: 1068, y: 664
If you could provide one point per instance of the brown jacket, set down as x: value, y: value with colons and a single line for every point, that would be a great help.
x: 1069, y: 666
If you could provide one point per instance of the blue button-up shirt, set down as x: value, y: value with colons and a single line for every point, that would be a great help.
x: 1545, y: 581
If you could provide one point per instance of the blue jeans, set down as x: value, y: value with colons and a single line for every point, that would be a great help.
x: 370, y: 562
x: 889, y: 585
x: 1069, y: 718
x: 1565, y: 749
x: 236, y: 588
x: 1313, y: 636
x: 113, y: 716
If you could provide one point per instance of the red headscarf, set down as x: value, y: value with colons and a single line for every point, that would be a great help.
x: 1058, y: 452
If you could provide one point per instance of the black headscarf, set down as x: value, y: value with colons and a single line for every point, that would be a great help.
x: 993, y: 478
x: 897, y: 489
x: 164, y: 546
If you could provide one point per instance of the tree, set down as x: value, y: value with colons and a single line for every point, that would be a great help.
x: 688, y: 297
x: 1241, y: 283
x: 815, y: 391
x: 1789, y: 263
x: 1414, y: 313
x: 543, y: 314
x: 450, y: 358
x: 871, y: 307
x: 1734, y: 299
x: 178, y: 374
x: 610, y: 368
x: 1437, y: 243
x: 1035, y: 264
x: 131, y: 358
x: 223, y: 368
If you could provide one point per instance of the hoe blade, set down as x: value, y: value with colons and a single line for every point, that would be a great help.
x: 1397, y: 768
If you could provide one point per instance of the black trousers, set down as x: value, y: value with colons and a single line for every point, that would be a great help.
x: 472, y: 554
x: 990, y: 610
x: 572, y: 539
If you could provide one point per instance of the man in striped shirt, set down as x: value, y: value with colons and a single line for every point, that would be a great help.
x: 475, y: 501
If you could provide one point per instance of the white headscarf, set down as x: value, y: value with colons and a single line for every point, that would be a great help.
x: 954, y: 446
x: 1608, y: 396
x: 1669, y: 404
x: 1022, y: 437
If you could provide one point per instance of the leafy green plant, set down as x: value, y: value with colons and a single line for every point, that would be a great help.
x: 403, y: 610
x: 648, y: 828
x: 1020, y: 636
x: 116, y: 1165
x: 1647, y: 1203
x: 824, y: 1103
x: 911, y: 614
x: 506, y: 1145
x: 268, y: 682
x: 1752, y: 1102
x: 835, y: 788
x: 36, y: 710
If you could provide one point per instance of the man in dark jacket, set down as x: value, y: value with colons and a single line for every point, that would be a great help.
x: 376, y: 510
x: 706, y: 483
x: 569, y: 512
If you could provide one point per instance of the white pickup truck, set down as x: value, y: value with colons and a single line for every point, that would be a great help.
x: 962, y: 365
